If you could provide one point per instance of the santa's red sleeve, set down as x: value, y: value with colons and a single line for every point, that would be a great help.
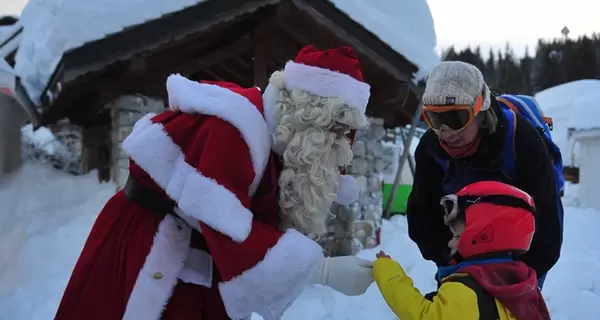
x: 266, y: 271
x: 211, y: 166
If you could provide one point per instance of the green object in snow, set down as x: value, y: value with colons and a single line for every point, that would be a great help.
x: 401, y: 198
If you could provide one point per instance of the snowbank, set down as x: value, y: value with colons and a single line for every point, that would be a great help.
x: 406, y: 26
x: 61, y: 149
x: 572, y: 289
x: 53, y: 27
x: 585, y: 112
x: 565, y: 93
x: 323, y: 303
x: 46, y: 215
x: 45, y: 218
x: 556, y: 103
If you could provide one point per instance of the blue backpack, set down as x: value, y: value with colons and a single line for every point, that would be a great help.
x: 528, y: 108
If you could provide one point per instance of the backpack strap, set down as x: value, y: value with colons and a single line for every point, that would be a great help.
x: 509, y: 155
x: 485, y: 302
x: 508, y: 103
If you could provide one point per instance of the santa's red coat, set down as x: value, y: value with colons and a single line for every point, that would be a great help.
x: 213, y: 158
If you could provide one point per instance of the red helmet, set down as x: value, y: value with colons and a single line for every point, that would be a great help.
x: 498, y: 218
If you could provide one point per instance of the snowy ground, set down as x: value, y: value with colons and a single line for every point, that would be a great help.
x: 45, y: 217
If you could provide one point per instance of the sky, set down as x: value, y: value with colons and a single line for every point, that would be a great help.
x: 520, y: 22
x: 487, y: 23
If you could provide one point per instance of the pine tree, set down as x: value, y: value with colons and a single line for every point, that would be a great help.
x: 449, y: 54
x: 526, y: 65
x: 554, y: 62
x: 490, y: 70
x: 510, y: 80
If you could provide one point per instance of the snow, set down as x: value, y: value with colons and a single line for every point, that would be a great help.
x: 53, y: 27
x: 41, y: 139
x: 556, y: 103
x: 406, y: 26
x: 46, y: 215
x: 564, y: 94
x: 44, y: 221
x: 585, y: 112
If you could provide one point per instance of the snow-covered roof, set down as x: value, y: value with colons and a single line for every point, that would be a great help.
x: 556, y: 102
x: 405, y: 25
x: 585, y: 112
x: 564, y: 94
x: 10, y: 38
x: 54, y: 27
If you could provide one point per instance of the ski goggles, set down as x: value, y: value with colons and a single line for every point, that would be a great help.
x: 456, y: 206
x: 455, y: 117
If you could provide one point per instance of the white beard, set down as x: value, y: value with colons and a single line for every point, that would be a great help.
x: 309, y: 178
x: 311, y: 155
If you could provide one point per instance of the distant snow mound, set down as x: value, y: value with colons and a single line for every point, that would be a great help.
x: 59, y: 147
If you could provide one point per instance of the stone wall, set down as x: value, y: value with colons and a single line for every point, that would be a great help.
x: 356, y: 226
x: 12, y: 118
x: 125, y: 111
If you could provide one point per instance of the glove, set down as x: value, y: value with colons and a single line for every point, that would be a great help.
x: 348, y: 275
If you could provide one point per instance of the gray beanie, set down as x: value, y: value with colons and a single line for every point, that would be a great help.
x: 455, y: 82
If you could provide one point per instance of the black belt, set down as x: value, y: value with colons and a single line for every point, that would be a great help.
x: 148, y: 198
x: 157, y: 203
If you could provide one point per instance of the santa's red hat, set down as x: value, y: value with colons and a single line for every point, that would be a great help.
x: 334, y: 73
x: 327, y: 73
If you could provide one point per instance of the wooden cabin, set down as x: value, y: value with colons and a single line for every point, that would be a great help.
x: 236, y: 40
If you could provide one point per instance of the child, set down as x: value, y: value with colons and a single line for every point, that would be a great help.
x: 491, y: 222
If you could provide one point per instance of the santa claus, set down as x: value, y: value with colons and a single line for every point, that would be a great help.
x: 212, y: 224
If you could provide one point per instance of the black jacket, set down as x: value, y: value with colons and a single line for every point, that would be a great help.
x: 534, y: 175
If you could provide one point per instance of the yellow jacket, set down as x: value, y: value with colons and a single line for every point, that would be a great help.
x: 453, y: 300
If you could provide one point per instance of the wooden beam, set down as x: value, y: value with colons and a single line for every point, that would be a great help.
x: 238, y: 76
x: 138, y: 66
x: 259, y: 65
x: 112, y: 84
x: 406, y: 94
x: 241, y: 61
x: 214, y: 75
x: 351, y: 39
x: 280, y: 48
x: 215, y: 57
x: 405, y: 112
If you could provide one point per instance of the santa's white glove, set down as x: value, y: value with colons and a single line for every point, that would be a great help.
x: 348, y: 275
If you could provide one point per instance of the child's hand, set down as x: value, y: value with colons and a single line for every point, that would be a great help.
x: 382, y: 254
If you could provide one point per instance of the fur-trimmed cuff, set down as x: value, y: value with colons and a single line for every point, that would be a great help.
x: 327, y: 83
x: 271, y: 286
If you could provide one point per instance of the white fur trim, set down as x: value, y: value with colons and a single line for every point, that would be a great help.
x: 158, y: 277
x: 271, y: 286
x: 196, y: 195
x: 327, y: 83
x: 209, y: 99
x: 347, y: 191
